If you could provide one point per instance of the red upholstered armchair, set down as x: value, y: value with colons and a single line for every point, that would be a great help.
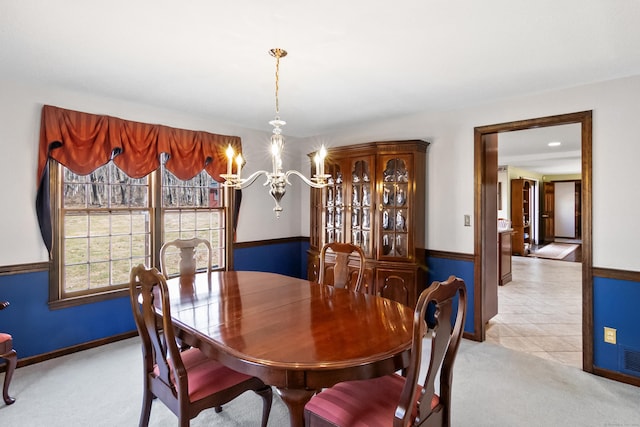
x: 9, y: 354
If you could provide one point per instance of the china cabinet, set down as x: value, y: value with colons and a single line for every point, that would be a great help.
x: 521, y: 215
x: 376, y: 200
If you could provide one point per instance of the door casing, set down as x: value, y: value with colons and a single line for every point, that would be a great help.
x: 485, y: 219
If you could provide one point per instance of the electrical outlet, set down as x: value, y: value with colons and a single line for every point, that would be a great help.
x: 467, y: 220
x: 609, y: 335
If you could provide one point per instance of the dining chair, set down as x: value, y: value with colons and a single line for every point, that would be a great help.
x: 187, y: 382
x: 336, y: 271
x: 8, y: 353
x: 398, y: 401
x: 186, y: 253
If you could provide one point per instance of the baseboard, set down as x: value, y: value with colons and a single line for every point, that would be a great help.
x: 70, y: 350
x: 616, y: 376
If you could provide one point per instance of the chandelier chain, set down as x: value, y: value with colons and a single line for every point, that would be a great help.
x: 277, y: 55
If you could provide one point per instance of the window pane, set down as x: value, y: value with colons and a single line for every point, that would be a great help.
x: 76, y: 224
x: 139, y: 246
x: 120, y: 271
x: 171, y: 221
x: 98, y: 197
x: 76, y: 250
x: 139, y: 196
x: 140, y: 222
x: 74, y: 196
x: 99, y: 249
x: 203, y: 220
x: 218, y: 258
x: 217, y: 220
x: 99, y: 223
x: 120, y: 247
x: 99, y: 274
x: 217, y: 238
x: 121, y: 223
x: 188, y: 222
x: 76, y: 277
x: 171, y: 236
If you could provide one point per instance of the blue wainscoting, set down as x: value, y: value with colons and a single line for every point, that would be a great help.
x: 36, y: 329
x: 441, y: 268
x: 288, y: 258
x: 616, y: 305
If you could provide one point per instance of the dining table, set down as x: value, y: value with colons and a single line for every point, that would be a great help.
x: 295, y: 335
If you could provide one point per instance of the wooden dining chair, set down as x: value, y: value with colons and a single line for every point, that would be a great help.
x: 7, y: 353
x: 186, y: 382
x: 337, y: 271
x: 398, y: 401
x: 186, y: 253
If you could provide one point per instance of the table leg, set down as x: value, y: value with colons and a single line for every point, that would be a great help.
x: 295, y: 399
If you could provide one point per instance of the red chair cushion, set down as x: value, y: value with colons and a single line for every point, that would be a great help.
x: 6, y: 343
x: 366, y: 403
x: 207, y: 376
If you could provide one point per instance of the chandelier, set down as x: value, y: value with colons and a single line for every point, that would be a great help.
x: 277, y: 179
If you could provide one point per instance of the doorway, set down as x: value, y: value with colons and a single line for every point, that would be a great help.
x: 485, y: 249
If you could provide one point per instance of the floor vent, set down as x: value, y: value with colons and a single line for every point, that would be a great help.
x: 630, y: 360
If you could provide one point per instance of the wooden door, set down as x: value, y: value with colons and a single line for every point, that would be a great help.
x: 548, y: 225
x: 360, y: 194
x: 396, y: 180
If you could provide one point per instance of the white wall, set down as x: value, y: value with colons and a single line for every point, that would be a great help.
x: 20, y: 108
x: 616, y: 150
x: 504, y: 196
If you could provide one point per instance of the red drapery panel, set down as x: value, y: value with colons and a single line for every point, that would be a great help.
x: 83, y: 142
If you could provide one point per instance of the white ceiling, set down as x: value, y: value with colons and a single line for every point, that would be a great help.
x: 349, y: 62
x: 529, y: 149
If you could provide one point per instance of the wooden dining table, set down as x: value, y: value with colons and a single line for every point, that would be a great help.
x: 293, y: 334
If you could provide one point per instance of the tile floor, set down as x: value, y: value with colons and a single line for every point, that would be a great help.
x: 540, y: 310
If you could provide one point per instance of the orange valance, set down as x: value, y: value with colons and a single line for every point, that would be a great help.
x: 82, y: 142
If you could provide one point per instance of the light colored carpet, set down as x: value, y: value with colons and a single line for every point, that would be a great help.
x: 554, y: 251
x: 493, y: 386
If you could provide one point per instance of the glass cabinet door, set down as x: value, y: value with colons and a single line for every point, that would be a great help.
x: 334, y: 205
x: 395, y: 207
x: 361, y: 191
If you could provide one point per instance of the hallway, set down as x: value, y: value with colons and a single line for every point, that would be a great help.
x: 540, y: 310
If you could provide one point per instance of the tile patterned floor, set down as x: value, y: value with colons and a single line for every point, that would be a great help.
x: 540, y: 310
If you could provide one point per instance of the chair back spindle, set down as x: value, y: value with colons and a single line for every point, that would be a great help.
x: 340, y: 274
x: 187, y: 252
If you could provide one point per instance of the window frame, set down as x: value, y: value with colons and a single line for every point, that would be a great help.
x: 57, y: 299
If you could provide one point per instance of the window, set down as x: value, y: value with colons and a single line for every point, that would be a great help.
x: 118, y: 197
x: 108, y: 222
x: 193, y: 209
